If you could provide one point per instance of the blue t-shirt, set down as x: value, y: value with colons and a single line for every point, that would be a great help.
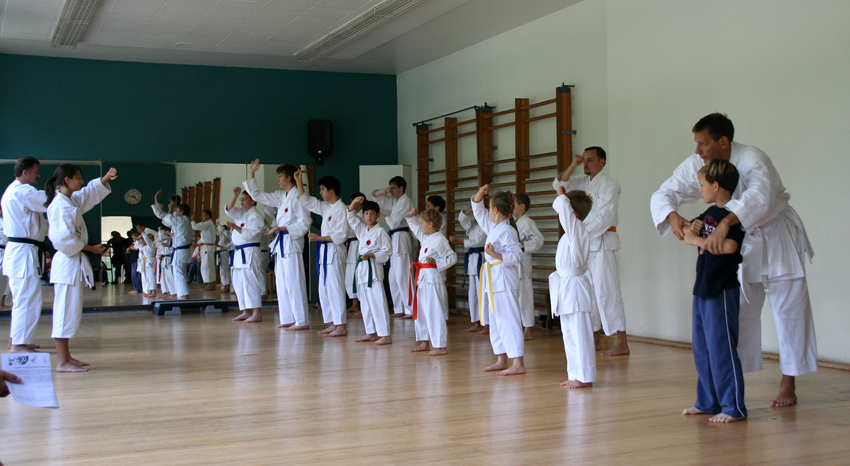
x: 716, y: 273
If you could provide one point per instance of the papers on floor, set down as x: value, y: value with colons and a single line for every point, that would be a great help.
x: 35, y: 371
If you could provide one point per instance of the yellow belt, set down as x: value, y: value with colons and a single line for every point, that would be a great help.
x: 490, y: 287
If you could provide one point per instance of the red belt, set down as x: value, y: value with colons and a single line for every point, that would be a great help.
x: 614, y: 229
x: 412, y: 289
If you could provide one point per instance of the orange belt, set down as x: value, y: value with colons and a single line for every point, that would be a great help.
x: 412, y: 289
x: 614, y: 229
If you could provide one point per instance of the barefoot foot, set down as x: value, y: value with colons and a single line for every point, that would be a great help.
x: 387, y: 340
x: 499, y: 366
x: 70, y: 367
x: 513, y: 370
x: 485, y: 330
x: 526, y: 334
x: 327, y: 330
x: 286, y: 325
x: 691, y: 411
x: 437, y: 352
x: 424, y: 346
x: 254, y: 319
x: 371, y: 337
x: 339, y: 331
x: 575, y: 384
x: 620, y: 349
x: 724, y: 418
x: 241, y: 317
x: 474, y: 328
x: 77, y: 362
x: 296, y: 328
x: 407, y: 316
x: 787, y: 395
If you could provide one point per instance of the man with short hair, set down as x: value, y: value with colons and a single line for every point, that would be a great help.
x: 601, y: 223
x: 25, y: 226
x: 394, y: 198
x: 774, y: 248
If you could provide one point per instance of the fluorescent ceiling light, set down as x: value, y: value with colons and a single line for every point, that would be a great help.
x: 72, y: 23
x: 359, y: 26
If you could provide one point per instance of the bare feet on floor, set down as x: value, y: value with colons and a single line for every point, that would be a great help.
x: 387, y: 340
x: 513, y: 370
x: 424, y: 346
x: 254, y: 319
x: 526, y: 334
x: 724, y: 418
x: 296, y: 328
x: 621, y: 348
x: 242, y: 316
x: 339, y: 331
x: 498, y: 366
x: 485, y: 330
x: 787, y: 395
x: 328, y: 330
x: 209, y: 287
x: 474, y: 328
x: 575, y: 384
x: 397, y: 314
x: 407, y: 316
x: 437, y: 352
x: 371, y: 337
x: 77, y: 362
x: 286, y: 325
x: 70, y: 367
x: 23, y: 349
x: 692, y: 410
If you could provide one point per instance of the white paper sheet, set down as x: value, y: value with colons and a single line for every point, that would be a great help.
x: 36, y: 372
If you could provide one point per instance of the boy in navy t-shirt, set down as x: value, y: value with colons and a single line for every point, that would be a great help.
x: 720, y: 387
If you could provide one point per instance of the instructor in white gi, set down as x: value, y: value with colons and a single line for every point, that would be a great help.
x: 601, y: 225
x: 774, y: 248
x: 26, y: 227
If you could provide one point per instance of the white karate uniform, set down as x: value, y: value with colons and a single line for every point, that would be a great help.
x: 351, y: 264
x: 246, y: 259
x: 331, y: 256
x: 207, y: 249
x: 609, y: 314
x: 182, y: 235
x: 443, y: 226
x: 70, y: 267
x: 23, y: 207
x: 166, y: 271
x: 4, y: 280
x: 287, y: 248
x: 431, y: 294
x: 774, y: 247
x: 532, y: 241
x: 373, y: 301
x: 147, y: 254
x: 571, y: 293
x: 225, y: 245
x: 499, y: 292
x: 399, y: 269
x: 475, y: 239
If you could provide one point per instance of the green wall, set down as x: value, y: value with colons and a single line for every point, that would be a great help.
x: 69, y: 109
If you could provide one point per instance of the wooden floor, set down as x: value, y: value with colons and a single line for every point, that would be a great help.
x: 199, y: 389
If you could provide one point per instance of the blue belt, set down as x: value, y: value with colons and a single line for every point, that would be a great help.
x: 324, y: 260
x: 279, y: 241
x: 241, y: 248
x: 470, y: 252
x: 175, y: 248
x: 391, y: 233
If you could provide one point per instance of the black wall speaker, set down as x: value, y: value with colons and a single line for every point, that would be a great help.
x: 320, y: 138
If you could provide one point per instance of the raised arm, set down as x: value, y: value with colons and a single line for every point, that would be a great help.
x: 413, y: 222
x: 480, y: 212
x: 94, y: 192
x: 253, y: 189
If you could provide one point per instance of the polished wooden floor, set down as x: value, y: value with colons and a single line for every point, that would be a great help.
x: 199, y: 389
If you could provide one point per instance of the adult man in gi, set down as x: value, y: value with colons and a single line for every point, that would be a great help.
x: 774, y: 248
x: 601, y: 223
x: 26, y: 227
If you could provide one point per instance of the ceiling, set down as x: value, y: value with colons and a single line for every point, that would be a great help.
x: 265, y: 33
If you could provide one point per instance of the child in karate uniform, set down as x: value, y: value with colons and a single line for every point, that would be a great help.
x: 223, y: 249
x: 499, y: 293
x: 472, y: 263
x: 147, y: 259
x: 428, y: 294
x: 247, y: 229
x: 569, y: 288
x: 67, y: 200
x: 532, y: 241
x: 374, y: 249
x: 439, y: 204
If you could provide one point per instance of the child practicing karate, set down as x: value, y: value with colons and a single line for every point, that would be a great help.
x: 330, y: 250
x: 499, y: 292
x: 532, y: 241
x: 222, y: 253
x: 569, y: 288
x: 247, y: 229
x: 374, y: 249
x: 177, y: 218
x: 67, y: 201
x: 427, y: 291
x: 474, y: 245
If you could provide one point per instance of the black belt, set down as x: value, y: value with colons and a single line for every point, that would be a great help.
x: 42, y: 249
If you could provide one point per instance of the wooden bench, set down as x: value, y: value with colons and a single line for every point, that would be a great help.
x: 204, y: 306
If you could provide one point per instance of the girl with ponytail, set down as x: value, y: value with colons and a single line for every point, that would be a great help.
x: 499, y: 278
x: 67, y: 201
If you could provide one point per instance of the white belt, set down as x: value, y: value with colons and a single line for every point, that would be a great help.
x: 555, y: 279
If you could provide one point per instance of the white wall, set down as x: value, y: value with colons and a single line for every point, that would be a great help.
x: 645, y: 72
